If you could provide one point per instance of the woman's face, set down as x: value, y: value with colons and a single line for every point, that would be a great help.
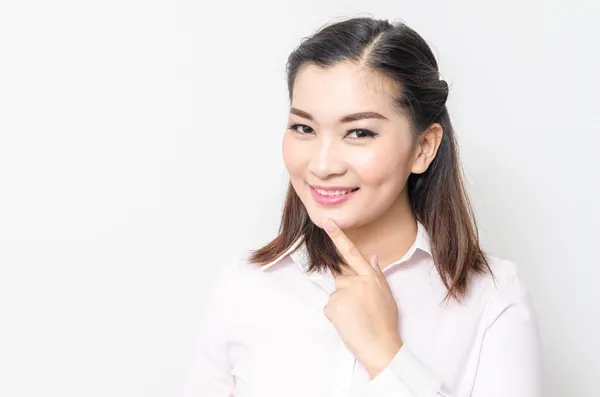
x: 347, y: 150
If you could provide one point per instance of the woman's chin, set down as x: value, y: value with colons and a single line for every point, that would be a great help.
x: 343, y: 222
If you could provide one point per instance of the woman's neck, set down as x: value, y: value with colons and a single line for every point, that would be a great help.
x: 390, y: 236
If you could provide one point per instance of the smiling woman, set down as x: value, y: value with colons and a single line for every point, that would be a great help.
x: 376, y: 284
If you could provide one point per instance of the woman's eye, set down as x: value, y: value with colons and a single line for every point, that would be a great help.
x: 301, y: 128
x: 357, y: 134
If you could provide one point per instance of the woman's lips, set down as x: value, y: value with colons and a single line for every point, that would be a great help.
x: 331, y: 195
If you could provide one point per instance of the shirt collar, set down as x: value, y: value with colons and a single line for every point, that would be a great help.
x: 299, y: 253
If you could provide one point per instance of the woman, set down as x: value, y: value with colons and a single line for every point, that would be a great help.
x: 376, y: 284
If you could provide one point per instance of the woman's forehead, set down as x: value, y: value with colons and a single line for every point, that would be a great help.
x: 345, y: 86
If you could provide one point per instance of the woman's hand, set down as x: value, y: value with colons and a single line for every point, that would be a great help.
x: 362, y: 308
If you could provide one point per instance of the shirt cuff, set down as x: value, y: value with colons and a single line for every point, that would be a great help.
x: 405, y: 376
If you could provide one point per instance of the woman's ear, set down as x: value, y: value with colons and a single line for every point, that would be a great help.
x: 426, y: 148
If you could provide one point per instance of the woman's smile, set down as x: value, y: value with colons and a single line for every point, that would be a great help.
x: 333, y: 195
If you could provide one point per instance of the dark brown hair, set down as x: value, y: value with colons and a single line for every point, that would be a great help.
x: 437, y: 196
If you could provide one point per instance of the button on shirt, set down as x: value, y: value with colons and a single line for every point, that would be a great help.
x: 265, y: 335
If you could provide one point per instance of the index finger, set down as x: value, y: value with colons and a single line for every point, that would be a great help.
x: 349, y: 252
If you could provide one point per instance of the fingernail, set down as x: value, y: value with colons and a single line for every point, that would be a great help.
x: 328, y: 225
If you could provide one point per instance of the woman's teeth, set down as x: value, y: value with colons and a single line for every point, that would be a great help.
x: 333, y: 192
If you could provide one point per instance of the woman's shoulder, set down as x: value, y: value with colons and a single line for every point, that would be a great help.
x: 504, y: 271
x: 500, y: 287
x: 238, y: 272
x: 236, y: 268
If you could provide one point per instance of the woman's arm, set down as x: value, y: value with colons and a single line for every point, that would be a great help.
x: 209, y: 373
x: 511, y: 359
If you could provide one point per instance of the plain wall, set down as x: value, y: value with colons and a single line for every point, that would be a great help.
x: 140, y: 150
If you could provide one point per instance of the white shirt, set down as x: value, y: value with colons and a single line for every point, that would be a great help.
x: 266, y: 335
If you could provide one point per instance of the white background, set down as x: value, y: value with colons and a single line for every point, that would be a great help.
x: 140, y: 150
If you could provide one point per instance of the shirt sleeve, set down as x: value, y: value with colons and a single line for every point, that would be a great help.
x: 210, y: 371
x: 511, y: 355
x: 510, y: 360
x: 406, y: 376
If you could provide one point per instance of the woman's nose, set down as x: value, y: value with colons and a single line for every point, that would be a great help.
x: 326, y: 160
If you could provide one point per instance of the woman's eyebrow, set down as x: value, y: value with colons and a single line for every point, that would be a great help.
x: 362, y: 115
x: 346, y: 119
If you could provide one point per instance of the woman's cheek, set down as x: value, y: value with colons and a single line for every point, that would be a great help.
x: 291, y: 154
x: 383, y: 169
x: 373, y: 167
